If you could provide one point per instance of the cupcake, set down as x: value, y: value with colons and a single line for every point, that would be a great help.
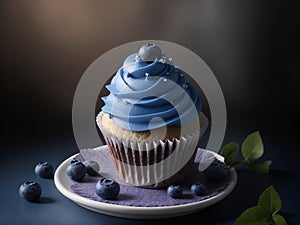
x: 151, y: 120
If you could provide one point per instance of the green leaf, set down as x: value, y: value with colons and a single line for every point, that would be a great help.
x: 254, y: 216
x: 270, y: 200
x: 252, y: 147
x: 260, y: 167
x: 279, y: 220
x: 229, y: 152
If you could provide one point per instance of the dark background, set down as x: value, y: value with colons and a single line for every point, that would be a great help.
x: 251, y: 46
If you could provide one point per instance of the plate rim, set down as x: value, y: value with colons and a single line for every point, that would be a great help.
x: 134, y: 211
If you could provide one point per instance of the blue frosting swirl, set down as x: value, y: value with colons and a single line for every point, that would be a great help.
x: 141, y: 91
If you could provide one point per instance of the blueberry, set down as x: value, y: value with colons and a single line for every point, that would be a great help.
x: 92, y: 168
x: 215, y: 171
x: 44, y: 169
x: 107, y: 188
x: 198, y: 189
x: 149, y: 52
x: 175, y: 191
x: 76, y: 171
x: 30, y: 190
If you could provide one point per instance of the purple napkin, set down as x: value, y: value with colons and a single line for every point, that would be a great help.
x: 142, y: 197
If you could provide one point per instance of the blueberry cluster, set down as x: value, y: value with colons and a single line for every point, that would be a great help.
x: 105, y: 188
x: 32, y: 190
x: 176, y: 191
x: 108, y: 188
x: 216, y: 171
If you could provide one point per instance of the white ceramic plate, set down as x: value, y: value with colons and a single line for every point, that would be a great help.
x: 62, y: 182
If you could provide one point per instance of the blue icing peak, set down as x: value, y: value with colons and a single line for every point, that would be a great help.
x: 147, y: 86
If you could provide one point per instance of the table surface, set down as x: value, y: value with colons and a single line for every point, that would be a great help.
x: 19, y: 158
